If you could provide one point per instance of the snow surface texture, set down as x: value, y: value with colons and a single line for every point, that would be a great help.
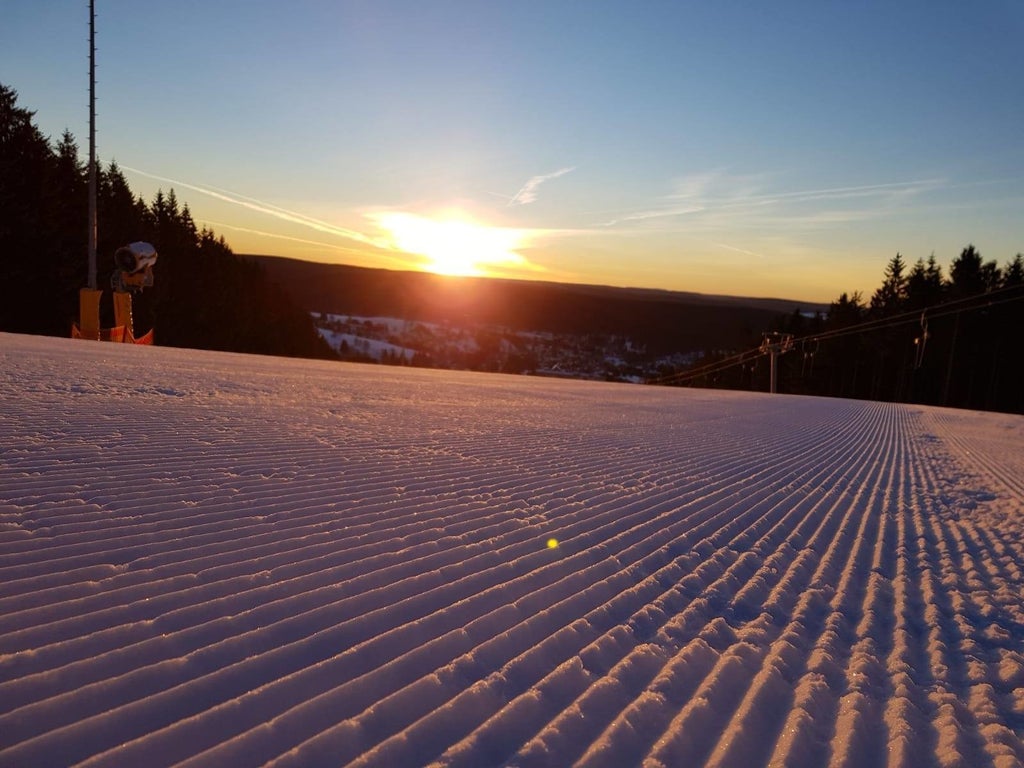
x: 228, y: 560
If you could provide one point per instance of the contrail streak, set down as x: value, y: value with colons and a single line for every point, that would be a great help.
x: 272, y: 210
x: 404, y: 263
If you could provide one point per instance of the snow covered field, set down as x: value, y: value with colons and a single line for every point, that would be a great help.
x: 229, y: 560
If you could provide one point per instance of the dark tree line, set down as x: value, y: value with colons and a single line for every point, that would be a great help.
x: 922, y: 337
x: 203, y: 297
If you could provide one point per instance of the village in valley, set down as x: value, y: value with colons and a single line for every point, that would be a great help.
x: 395, y: 341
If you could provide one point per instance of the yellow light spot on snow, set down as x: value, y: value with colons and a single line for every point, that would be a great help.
x: 552, y: 543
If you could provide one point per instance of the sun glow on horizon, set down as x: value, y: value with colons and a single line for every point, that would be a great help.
x: 455, y: 244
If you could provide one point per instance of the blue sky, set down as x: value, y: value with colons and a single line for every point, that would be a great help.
x: 785, y: 149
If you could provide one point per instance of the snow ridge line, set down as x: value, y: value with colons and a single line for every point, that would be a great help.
x: 86, y: 694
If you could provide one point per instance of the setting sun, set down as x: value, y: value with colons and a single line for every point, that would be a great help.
x: 455, y: 245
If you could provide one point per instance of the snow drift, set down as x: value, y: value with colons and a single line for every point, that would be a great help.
x: 215, y: 559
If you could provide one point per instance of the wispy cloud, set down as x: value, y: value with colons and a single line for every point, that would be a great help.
x: 889, y: 190
x: 528, y: 193
x: 719, y: 199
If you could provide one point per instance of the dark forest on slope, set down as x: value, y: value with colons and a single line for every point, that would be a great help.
x: 203, y: 296
x: 927, y: 338
x: 922, y: 337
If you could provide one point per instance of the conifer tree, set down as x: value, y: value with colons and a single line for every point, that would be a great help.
x: 1013, y: 274
x: 26, y: 243
x: 925, y: 284
x: 890, y: 298
x: 966, y: 277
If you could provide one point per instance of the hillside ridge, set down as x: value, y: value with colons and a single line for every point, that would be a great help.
x: 659, y: 319
x: 280, y: 267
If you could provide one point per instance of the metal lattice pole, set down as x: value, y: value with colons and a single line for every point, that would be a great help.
x: 773, y: 345
x: 92, y: 144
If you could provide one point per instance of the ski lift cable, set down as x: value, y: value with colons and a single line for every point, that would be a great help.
x: 983, y: 301
x: 938, y: 310
x: 709, y: 368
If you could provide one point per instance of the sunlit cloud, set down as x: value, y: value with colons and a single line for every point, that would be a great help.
x: 528, y: 193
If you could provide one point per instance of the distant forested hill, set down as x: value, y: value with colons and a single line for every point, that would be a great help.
x: 663, y: 320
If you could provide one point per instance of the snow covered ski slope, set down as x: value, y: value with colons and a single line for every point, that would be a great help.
x: 223, y: 560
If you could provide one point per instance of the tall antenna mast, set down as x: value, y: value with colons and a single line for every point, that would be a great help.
x: 92, y: 144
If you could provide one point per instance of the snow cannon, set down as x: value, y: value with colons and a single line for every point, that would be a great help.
x: 133, y: 271
x: 134, y: 267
